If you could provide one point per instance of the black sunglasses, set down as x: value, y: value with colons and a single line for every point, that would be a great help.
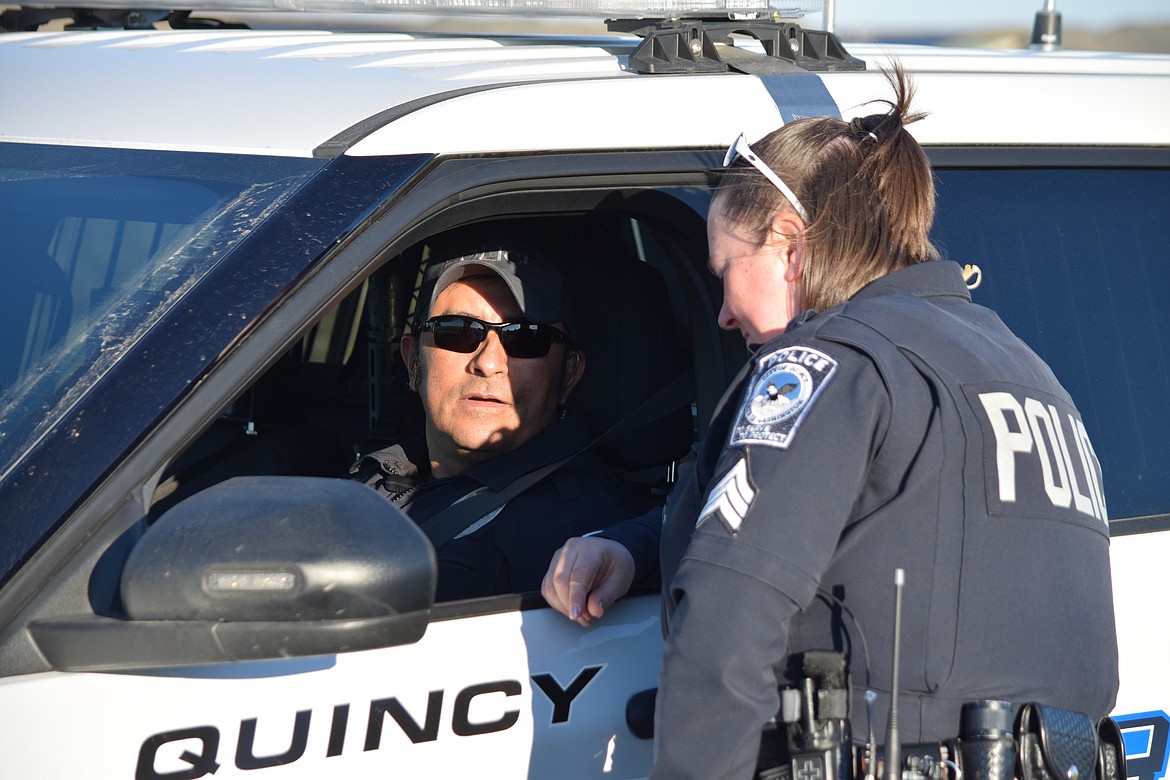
x: 521, y: 339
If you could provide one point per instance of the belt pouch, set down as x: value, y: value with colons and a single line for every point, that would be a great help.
x: 1055, y: 744
x: 1111, y: 758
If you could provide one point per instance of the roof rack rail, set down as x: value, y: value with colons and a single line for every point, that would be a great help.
x: 688, y: 46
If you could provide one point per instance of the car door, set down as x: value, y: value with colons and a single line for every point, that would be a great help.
x: 501, y: 685
x: 508, y: 691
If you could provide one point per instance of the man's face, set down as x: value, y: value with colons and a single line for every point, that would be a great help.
x: 485, y: 403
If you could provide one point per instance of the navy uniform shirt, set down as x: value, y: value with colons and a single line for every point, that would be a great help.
x: 905, y: 428
x: 509, y: 549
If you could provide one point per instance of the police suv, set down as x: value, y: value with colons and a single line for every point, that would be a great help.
x: 211, y: 228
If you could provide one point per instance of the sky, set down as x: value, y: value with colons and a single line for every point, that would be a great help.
x: 954, y: 16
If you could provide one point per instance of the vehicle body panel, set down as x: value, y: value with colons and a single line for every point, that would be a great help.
x: 511, y: 726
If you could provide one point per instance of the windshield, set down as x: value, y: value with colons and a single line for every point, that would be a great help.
x: 95, y: 246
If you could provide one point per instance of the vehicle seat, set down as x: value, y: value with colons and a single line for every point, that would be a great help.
x: 261, y: 433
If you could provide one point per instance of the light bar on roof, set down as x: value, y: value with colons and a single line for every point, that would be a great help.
x: 608, y: 9
x: 605, y: 9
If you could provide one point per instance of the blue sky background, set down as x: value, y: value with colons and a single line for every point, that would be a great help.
x: 956, y: 16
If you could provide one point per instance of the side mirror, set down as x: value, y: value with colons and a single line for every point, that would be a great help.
x: 260, y: 568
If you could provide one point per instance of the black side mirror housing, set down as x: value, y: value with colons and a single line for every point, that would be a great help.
x: 259, y: 568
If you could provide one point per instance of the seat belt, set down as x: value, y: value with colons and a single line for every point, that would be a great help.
x: 457, y: 518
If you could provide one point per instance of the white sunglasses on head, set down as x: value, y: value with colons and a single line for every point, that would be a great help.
x: 740, y: 148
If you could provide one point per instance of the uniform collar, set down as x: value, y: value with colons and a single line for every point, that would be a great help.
x: 932, y: 279
x: 408, y: 463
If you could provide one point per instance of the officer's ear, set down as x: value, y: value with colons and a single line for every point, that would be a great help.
x: 788, y: 234
x: 794, y: 270
x: 571, y: 373
x: 787, y: 227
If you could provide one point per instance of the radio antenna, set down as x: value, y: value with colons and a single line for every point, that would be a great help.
x: 892, y: 769
x: 1046, y: 35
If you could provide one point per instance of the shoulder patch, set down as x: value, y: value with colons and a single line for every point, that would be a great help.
x: 782, y: 391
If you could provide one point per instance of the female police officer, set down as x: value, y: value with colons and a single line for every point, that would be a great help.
x: 892, y: 424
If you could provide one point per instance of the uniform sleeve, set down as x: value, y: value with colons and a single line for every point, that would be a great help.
x: 774, y: 513
x: 470, y: 567
x: 717, y: 687
x: 640, y: 535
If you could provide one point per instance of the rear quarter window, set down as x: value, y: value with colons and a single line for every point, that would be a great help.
x: 1077, y: 262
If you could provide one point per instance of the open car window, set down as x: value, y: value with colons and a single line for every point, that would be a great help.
x: 341, y: 391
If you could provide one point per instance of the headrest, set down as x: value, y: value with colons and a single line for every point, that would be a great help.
x: 632, y: 350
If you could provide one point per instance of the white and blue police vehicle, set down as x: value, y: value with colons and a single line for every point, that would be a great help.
x: 211, y: 225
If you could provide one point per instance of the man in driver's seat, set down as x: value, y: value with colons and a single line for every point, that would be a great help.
x: 491, y: 352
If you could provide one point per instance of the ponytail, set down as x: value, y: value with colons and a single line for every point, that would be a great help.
x: 867, y: 187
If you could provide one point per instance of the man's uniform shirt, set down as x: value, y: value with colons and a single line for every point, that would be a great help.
x: 508, y: 549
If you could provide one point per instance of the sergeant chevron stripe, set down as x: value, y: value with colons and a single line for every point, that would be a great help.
x: 730, y: 499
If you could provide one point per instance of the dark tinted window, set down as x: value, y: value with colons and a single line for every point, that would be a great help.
x: 1077, y: 263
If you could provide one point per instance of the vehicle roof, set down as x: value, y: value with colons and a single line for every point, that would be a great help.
x: 291, y: 92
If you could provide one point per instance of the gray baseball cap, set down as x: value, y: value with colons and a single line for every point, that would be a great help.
x: 536, y: 284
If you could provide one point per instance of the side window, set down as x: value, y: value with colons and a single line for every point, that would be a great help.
x: 1075, y: 262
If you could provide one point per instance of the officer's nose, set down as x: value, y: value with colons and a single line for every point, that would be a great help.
x: 726, y: 319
